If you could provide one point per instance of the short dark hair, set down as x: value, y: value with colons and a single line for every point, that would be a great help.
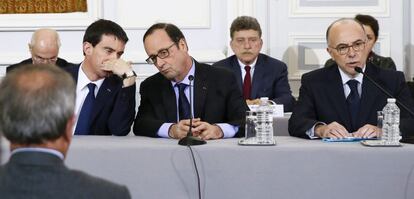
x: 245, y: 23
x: 94, y: 32
x: 370, y: 21
x: 36, y: 104
x: 172, y: 31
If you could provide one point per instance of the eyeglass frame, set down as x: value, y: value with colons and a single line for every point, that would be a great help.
x: 347, y: 47
x: 152, y: 59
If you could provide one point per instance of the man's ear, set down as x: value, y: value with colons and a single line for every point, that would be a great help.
x: 183, y: 44
x: 69, y: 129
x: 87, y: 48
x: 330, y: 53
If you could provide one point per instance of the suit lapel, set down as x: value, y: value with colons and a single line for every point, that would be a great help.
x: 235, y: 67
x: 169, y: 101
x: 335, y: 94
x: 258, y: 74
x: 105, y: 94
x: 200, y: 89
x: 369, y: 94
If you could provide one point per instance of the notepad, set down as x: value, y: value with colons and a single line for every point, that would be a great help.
x: 346, y: 139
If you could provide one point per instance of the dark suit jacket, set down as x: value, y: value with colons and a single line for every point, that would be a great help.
x: 269, y: 79
x: 114, y: 108
x: 60, y: 62
x: 382, y: 62
x: 322, y: 98
x: 216, y: 100
x: 43, y: 175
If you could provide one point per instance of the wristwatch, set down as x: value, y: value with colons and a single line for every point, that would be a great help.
x: 129, y: 74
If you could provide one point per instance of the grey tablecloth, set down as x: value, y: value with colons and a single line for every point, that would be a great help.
x: 295, y: 168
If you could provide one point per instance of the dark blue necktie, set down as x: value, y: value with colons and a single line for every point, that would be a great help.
x: 184, y: 109
x: 353, y: 102
x: 84, y: 120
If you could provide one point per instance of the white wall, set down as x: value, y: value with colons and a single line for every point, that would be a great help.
x: 293, y: 30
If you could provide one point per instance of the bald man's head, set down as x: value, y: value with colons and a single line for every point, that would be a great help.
x: 346, y: 44
x: 44, y: 46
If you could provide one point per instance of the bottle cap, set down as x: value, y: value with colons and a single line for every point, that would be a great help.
x: 391, y: 100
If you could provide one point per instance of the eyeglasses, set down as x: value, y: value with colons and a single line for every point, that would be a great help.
x: 39, y: 59
x: 343, y: 49
x: 162, y: 54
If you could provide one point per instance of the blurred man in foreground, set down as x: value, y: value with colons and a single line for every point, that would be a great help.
x: 36, y: 116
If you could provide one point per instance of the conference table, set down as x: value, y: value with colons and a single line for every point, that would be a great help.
x: 294, y: 168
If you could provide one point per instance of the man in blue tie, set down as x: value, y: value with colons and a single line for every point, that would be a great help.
x: 336, y: 101
x: 165, y: 108
x: 105, y: 91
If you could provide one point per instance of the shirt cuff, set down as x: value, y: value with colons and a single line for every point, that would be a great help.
x: 228, y: 130
x: 311, y: 131
x: 163, y: 130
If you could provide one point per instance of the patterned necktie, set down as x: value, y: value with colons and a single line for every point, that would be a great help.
x: 184, y: 109
x: 353, y: 102
x: 83, y: 126
x: 247, y: 84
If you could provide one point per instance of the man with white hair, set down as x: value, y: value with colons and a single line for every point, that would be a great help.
x: 44, y: 49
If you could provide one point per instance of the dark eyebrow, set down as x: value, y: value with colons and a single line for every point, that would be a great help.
x: 109, y: 48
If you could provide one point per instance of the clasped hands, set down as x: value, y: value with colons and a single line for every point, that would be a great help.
x: 336, y: 130
x: 201, y: 129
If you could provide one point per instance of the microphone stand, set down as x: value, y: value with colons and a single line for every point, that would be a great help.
x: 191, y: 140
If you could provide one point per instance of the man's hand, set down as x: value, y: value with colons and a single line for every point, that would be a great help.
x: 367, y: 131
x: 119, y: 67
x: 180, y: 130
x: 206, y: 131
x: 253, y: 102
x: 332, y: 130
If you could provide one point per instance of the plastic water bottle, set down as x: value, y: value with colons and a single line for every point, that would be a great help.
x: 264, y: 125
x: 391, y: 123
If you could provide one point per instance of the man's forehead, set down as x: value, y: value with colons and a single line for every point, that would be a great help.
x: 346, y: 34
x: 244, y: 33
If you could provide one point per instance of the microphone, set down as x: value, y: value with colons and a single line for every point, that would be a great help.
x: 189, y: 139
x: 405, y: 138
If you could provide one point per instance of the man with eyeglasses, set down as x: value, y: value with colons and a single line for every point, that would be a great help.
x: 44, y: 48
x: 258, y: 75
x: 338, y: 102
x: 105, y: 84
x: 165, y: 109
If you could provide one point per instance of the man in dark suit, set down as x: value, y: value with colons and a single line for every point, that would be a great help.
x: 164, y: 111
x: 44, y: 48
x: 336, y: 101
x: 267, y: 77
x: 36, y: 116
x: 105, y: 101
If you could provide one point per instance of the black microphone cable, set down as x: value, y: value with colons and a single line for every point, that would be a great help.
x: 196, y: 169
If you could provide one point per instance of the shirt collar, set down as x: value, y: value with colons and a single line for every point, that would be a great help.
x: 242, y: 65
x: 191, y: 72
x: 345, y: 77
x: 39, y: 149
x: 83, y: 80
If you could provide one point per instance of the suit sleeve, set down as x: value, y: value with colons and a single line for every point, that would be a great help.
x: 281, y: 90
x: 146, y: 123
x: 304, y: 113
x: 122, y: 116
x: 235, y: 105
